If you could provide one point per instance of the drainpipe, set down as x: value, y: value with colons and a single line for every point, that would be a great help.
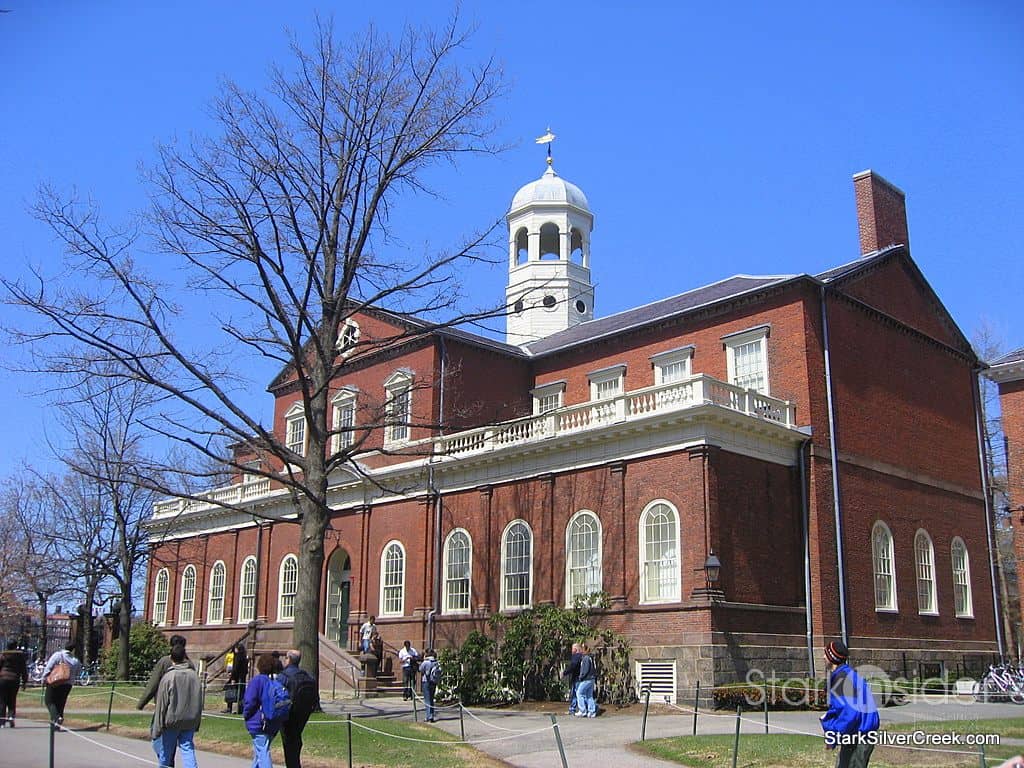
x: 804, y: 457
x: 435, y: 494
x: 983, y: 465
x: 836, y: 506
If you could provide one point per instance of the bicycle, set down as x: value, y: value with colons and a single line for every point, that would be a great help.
x: 1000, y: 682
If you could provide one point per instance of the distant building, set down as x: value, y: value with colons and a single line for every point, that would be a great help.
x: 755, y: 421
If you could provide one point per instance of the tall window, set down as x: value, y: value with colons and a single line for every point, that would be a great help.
x: 659, y: 554
x: 295, y: 424
x: 247, y: 593
x: 289, y: 586
x: 924, y: 558
x: 215, y: 608
x: 517, y: 566
x: 747, y: 359
x: 344, y: 419
x: 392, y: 566
x: 882, y: 562
x: 160, y: 597
x: 458, y: 559
x: 398, y: 408
x: 583, y: 556
x: 963, y: 606
x: 188, y: 595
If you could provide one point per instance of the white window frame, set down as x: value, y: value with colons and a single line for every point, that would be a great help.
x: 398, y: 395
x: 295, y: 418
x: 161, y: 590
x: 600, y: 381
x: 344, y: 401
x: 548, y: 397
x: 246, y: 591
x: 215, y: 599
x: 878, y: 560
x: 506, y: 575
x: 961, y: 579
x: 187, y: 597
x: 924, y: 568
x: 675, y: 591
x: 249, y: 476
x: 450, y: 582
x: 670, y: 362
x: 593, y: 574
x: 734, y: 341
x: 388, y: 588
x: 348, y: 337
x: 286, y: 591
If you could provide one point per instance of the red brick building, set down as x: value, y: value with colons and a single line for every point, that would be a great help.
x: 817, y: 434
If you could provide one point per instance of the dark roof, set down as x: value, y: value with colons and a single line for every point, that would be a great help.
x: 658, y: 310
x: 843, y: 270
x: 1016, y: 356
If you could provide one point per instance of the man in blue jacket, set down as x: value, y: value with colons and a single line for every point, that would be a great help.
x: 852, y: 717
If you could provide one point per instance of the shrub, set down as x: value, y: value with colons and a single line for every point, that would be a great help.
x: 794, y: 693
x: 146, y: 645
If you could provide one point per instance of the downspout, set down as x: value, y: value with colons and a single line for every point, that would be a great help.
x: 435, y: 495
x: 983, y: 465
x: 804, y: 457
x: 836, y: 506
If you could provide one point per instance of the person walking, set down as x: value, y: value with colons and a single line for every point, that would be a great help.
x: 237, y: 664
x: 366, y: 632
x: 13, y: 675
x: 572, y: 674
x: 430, y: 677
x: 262, y: 724
x: 60, y: 672
x: 852, y: 716
x: 305, y: 696
x: 409, y: 658
x: 159, y: 669
x: 179, y: 711
x: 586, y: 704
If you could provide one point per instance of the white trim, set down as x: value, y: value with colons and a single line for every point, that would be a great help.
x: 504, y: 606
x: 933, y: 592
x: 295, y: 415
x: 242, y: 617
x: 662, y: 360
x: 398, y: 385
x: 604, y: 376
x: 223, y: 592
x: 893, y: 605
x: 469, y: 577
x: 348, y: 337
x: 642, y: 538
x: 281, y: 616
x: 576, y: 518
x: 383, y: 611
x: 160, y: 608
x: 968, y: 613
x: 343, y: 400
x: 733, y: 341
x: 543, y: 391
x: 191, y: 600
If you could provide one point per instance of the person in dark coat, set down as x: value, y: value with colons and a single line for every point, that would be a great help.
x: 572, y: 674
x: 235, y: 686
x: 13, y: 676
x: 56, y: 696
x: 159, y: 670
x: 305, y: 696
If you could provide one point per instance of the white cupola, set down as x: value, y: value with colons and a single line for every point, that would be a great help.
x: 549, y: 287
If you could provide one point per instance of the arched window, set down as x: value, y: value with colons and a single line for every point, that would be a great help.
x: 160, y: 597
x: 517, y: 566
x: 549, y: 245
x: 659, y: 554
x: 576, y: 247
x: 247, y: 592
x: 963, y: 605
x: 289, y: 587
x: 188, y: 595
x: 883, y: 565
x: 348, y: 337
x: 924, y: 558
x: 522, y: 246
x: 392, y: 569
x: 583, y: 556
x: 215, y: 607
x: 458, y: 564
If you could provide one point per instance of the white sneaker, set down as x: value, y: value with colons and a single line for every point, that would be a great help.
x: 578, y: 714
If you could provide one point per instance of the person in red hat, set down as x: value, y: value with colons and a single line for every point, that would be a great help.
x: 851, y: 722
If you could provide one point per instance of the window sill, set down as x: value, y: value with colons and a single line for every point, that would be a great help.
x: 927, y: 613
x: 969, y: 616
x: 887, y: 610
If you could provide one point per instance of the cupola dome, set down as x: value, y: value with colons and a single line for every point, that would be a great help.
x: 550, y: 188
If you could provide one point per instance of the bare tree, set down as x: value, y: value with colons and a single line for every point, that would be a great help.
x: 283, y: 222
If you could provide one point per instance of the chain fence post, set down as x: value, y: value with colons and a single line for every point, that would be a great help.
x: 764, y: 694
x: 647, y: 704
x: 558, y: 740
x: 110, y: 704
x: 736, y: 739
x: 349, y: 724
x: 696, y: 700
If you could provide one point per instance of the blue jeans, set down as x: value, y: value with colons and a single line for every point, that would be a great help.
x: 428, y: 700
x: 169, y: 742
x: 585, y: 702
x: 572, y: 697
x: 261, y: 750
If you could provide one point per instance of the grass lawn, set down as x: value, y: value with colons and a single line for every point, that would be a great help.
x: 795, y: 751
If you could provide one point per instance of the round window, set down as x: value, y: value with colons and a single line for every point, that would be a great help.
x: 518, y: 306
x: 549, y: 301
x: 581, y: 307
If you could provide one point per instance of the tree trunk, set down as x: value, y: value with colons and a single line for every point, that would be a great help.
x: 87, y: 625
x: 306, y: 629
x: 43, y: 623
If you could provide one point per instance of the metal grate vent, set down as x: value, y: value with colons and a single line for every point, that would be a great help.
x: 660, y: 676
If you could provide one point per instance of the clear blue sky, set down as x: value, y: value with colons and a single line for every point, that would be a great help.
x: 709, y: 140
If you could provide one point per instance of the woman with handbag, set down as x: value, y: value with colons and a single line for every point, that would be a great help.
x: 237, y: 670
x: 60, y: 672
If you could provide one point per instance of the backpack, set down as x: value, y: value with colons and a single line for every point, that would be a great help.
x: 305, y: 693
x: 433, y: 673
x: 275, y: 704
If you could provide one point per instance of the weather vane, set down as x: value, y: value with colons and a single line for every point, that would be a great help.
x: 547, y: 138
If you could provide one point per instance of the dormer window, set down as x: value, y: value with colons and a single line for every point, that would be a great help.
x: 548, y: 397
x: 747, y: 358
x: 348, y: 337
x: 607, y: 382
x: 398, y: 408
x: 295, y: 430
x: 673, y: 365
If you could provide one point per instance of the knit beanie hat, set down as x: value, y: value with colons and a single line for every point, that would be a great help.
x: 837, y: 652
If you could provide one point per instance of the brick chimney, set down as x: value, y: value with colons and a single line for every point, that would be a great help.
x: 881, y: 212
